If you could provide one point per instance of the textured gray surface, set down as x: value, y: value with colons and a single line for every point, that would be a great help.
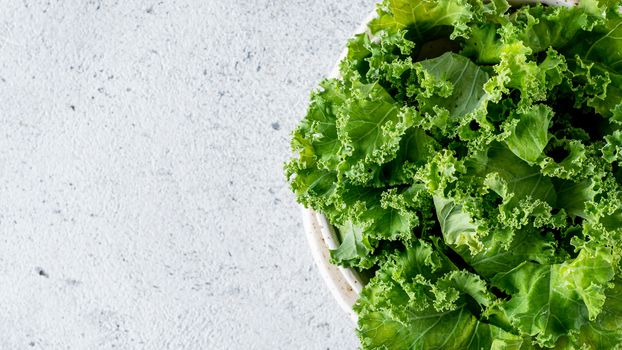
x: 142, y: 202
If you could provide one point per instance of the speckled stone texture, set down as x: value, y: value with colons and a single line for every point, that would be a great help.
x: 142, y: 201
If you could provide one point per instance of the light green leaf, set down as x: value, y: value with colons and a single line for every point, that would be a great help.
x: 501, y: 256
x: 316, y: 137
x: 606, y: 331
x: 453, y: 83
x: 383, y: 214
x: 457, y: 226
x: 512, y: 179
x: 529, y: 133
x: 602, y: 45
x: 612, y: 151
x: 574, y: 196
x: 411, y: 321
x: 353, y: 248
x: 449, y: 330
x: 551, y: 301
x: 424, y: 18
x: 370, y: 128
x: 415, y: 149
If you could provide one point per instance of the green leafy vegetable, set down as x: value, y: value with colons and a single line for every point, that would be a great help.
x: 470, y: 156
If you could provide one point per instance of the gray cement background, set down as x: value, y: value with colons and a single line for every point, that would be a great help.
x: 142, y: 202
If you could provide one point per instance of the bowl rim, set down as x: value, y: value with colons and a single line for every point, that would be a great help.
x: 344, y: 283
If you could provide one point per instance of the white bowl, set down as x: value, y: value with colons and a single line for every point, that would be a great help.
x: 345, y: 283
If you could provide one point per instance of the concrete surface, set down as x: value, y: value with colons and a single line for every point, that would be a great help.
x: 142, y: 202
